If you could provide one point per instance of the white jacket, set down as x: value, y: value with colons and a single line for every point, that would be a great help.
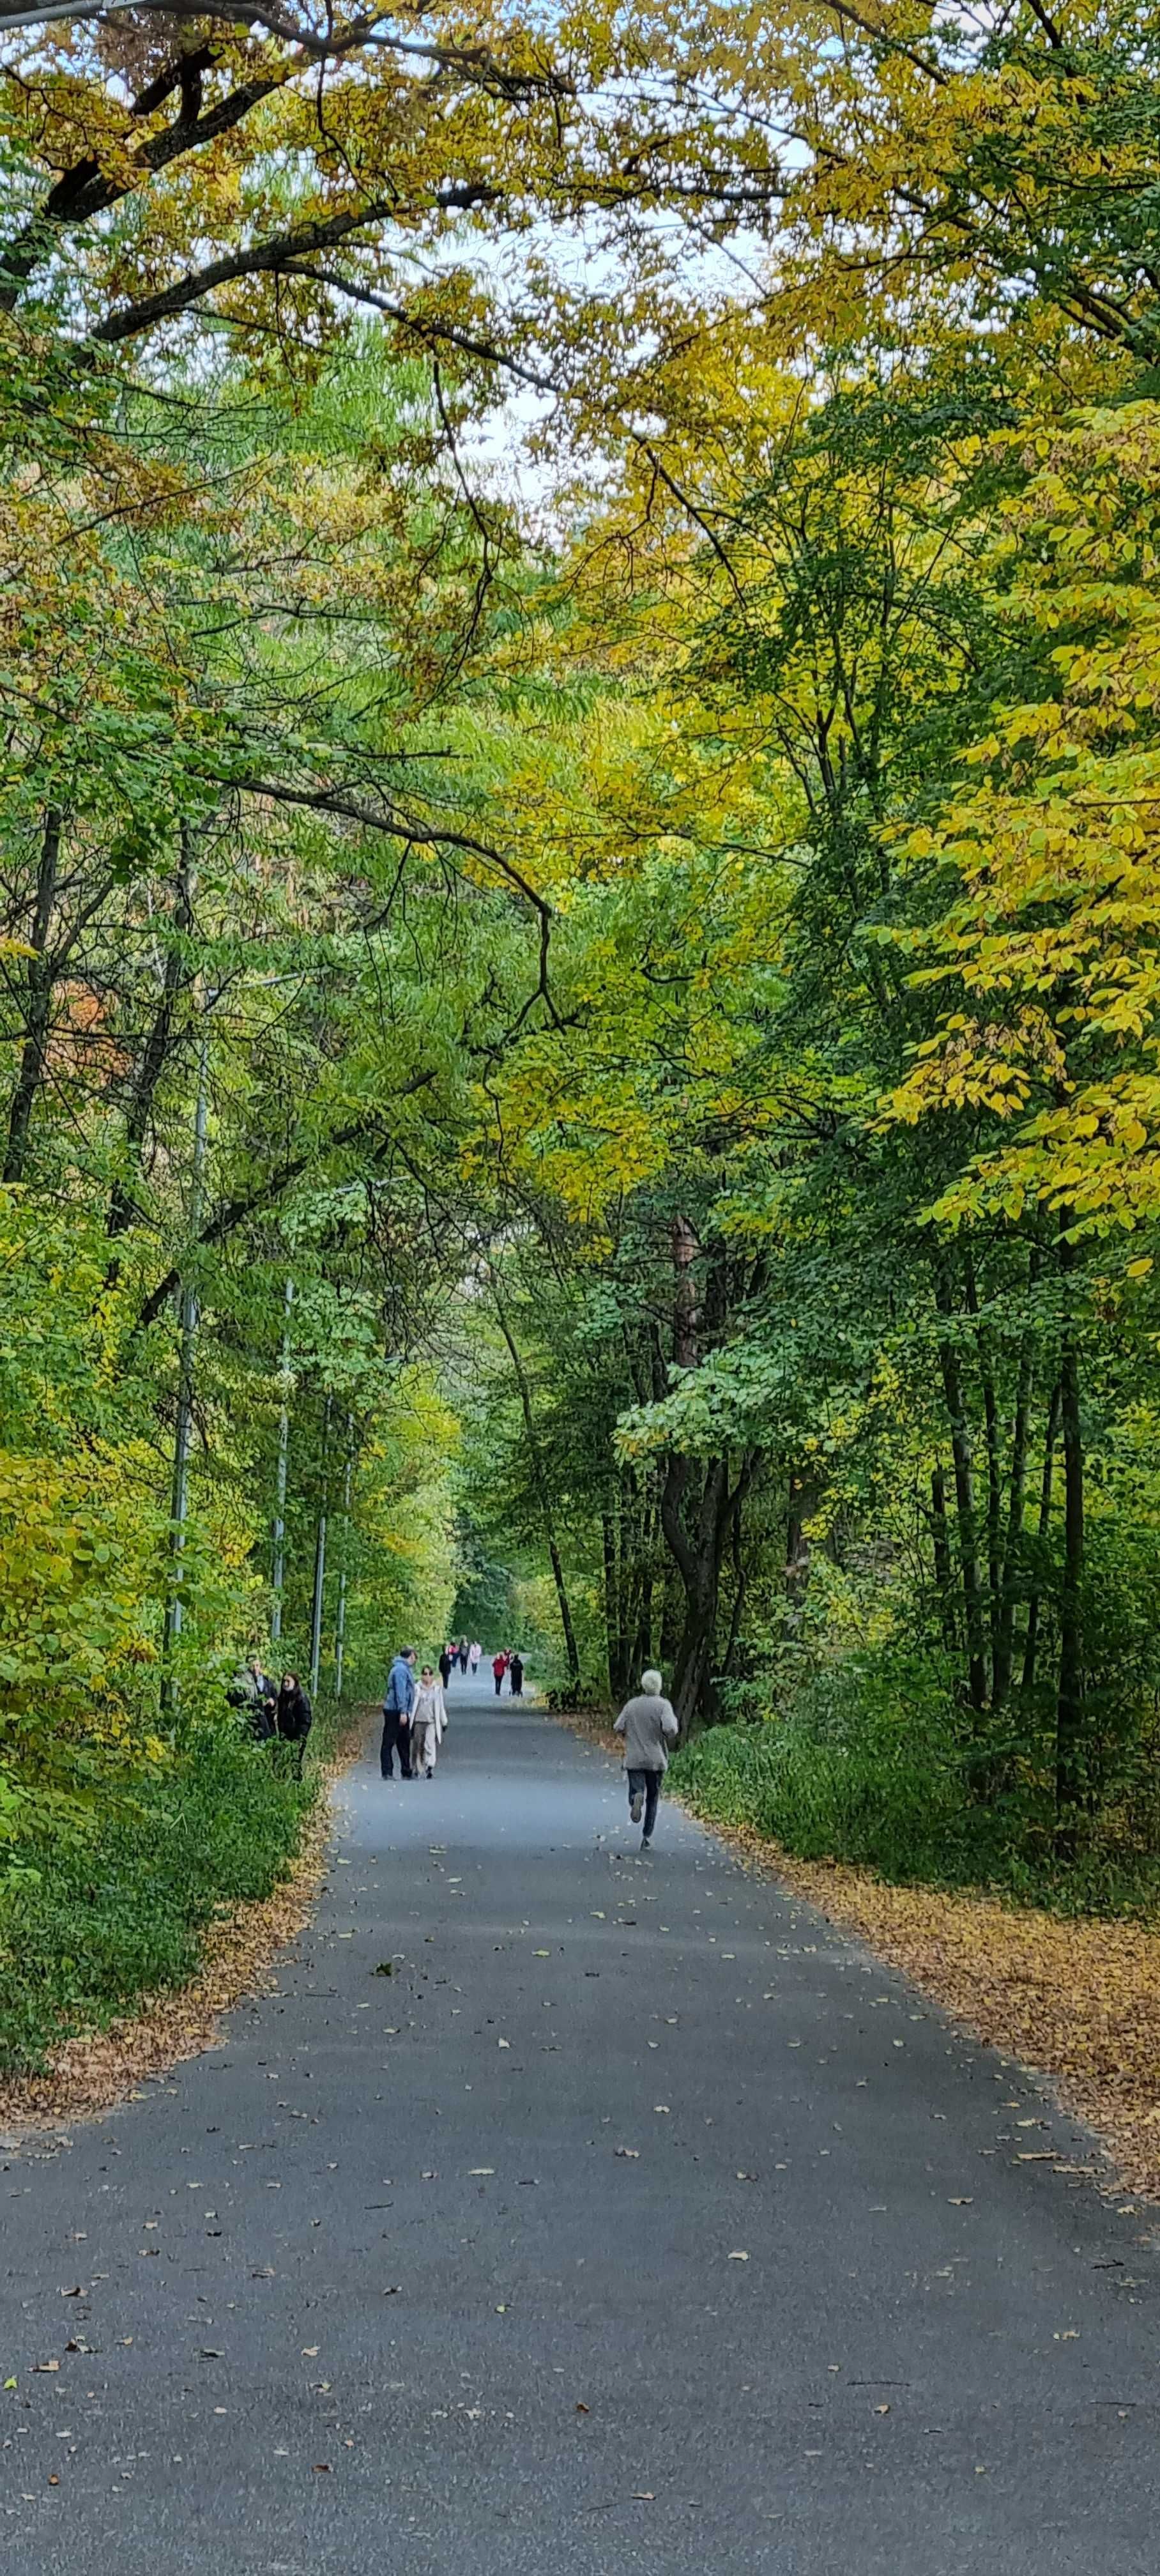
x: 430, y: 1708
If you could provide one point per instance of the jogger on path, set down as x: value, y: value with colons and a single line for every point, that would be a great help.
x: 648, y: 1724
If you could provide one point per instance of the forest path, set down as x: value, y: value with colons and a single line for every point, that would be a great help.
x: 439, y: 2271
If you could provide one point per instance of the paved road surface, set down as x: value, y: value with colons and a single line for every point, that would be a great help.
x: 438, y: 2274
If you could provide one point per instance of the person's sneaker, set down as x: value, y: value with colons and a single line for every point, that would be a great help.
x: 646, y: 1842
x: 430, y: 1770
x: 636, y: 1805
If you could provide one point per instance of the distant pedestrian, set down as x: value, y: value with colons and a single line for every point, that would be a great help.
x: 516, y: 1675
x: 295, y: 1716
x: 398, y: 1702
x: 648, y: 1724
x: 463, y: 1654
x: 428, y: 1723
x: 252, y: 1694
x: 473, y: 1656
x: 446, y: 1660
x: 499, y: 1665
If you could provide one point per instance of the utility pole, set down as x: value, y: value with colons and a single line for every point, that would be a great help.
x: 187, y: 1340
x: 279, y: 1565
x: 319, y: 1565
x: 340, y: 1618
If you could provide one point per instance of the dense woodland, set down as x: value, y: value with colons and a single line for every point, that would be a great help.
x: 580, y: 900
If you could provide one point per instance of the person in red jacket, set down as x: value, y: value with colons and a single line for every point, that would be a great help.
x: 499, y: 1665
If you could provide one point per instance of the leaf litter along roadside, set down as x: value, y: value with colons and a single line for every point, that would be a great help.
x: 1075, y: 2001
x: 100, y: 2068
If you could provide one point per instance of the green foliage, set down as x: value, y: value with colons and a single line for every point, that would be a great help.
x: 102, y: 1918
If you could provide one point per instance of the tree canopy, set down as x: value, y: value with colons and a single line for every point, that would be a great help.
x: 578, y: 802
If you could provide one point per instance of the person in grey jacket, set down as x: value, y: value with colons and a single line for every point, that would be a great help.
x: 398, y: 1702
x: 648, y: 1724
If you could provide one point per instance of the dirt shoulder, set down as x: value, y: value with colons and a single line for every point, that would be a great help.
x: 101, y: 2068
x: 1076, y: 2002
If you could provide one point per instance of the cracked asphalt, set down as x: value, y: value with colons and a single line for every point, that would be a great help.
x: 634, y: 2224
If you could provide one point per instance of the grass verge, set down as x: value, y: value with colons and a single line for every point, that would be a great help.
x: 117, y: 1961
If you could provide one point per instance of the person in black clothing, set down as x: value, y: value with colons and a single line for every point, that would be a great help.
x: 295, y: 1716
x: 516, y: 1675
x: 463, y: 1654
x: 445, y: 1665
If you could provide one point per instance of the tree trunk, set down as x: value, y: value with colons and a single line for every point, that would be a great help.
x: 154, y: 1055
x: 38, y: 1002
x: 1069, y: 1714
x: 1031, y: 1642
x: 614, y: 1607
x: 943, y: 1574
x: 1005, y: 1623
x: 543, y: 1496
x: 965, y: 1507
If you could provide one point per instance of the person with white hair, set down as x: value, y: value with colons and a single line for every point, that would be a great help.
x: 648, y: 1724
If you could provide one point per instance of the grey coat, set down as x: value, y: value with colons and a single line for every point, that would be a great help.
x: 646, y: 1723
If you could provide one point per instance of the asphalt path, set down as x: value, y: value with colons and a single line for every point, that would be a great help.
x: 634, y: 2225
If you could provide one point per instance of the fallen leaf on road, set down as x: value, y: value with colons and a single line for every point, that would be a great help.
x: 322, y: 2468
x: 882, y: 2410
x: 385, y: 1968
x: 643, y: 2495
x: 581, y: 2408
x: 480, y: 2169
x: 739, y: 2258
x: 310, y: 2352
x: 632, y: 2154
x: 46, y: 2365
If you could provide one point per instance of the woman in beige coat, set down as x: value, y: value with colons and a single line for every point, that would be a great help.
x: 428, y: 1723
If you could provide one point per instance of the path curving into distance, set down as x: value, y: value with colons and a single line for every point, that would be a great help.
x: 439, y: 2273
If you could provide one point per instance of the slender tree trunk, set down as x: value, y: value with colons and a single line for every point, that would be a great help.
x: 320, y: 1559
x: 1031, y: 1642
x: 38, y: 1002
x: 1005, y: 1625
x: 994, y: 1474
x: 940, y: 1538
x: 154, y: 1056
x: 961, y: 1453
x: 1069, y: 1716
x: 613, y: 1611
x: 543, y: 1496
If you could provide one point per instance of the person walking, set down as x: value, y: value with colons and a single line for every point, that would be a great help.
x: 499, y: 1667
x: 294, y: 1717
x: 463, y: 1654
x: 446, y: 1661
x: 398, y: 1702
x: 648, y: 1724
x: 516, y: 1674
x: 428, y: 1723
x: 474, y: 1654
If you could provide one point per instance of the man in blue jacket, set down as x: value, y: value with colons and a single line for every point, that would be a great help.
x: 398, y: 1703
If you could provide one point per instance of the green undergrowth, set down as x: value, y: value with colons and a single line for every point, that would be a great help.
x: 874, y: 1770
x: 95, y: 1920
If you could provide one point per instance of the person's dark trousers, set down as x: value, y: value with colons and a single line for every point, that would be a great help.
x: 646, y: 1785
x: 498, y: 1684
x: 396, y: 1733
